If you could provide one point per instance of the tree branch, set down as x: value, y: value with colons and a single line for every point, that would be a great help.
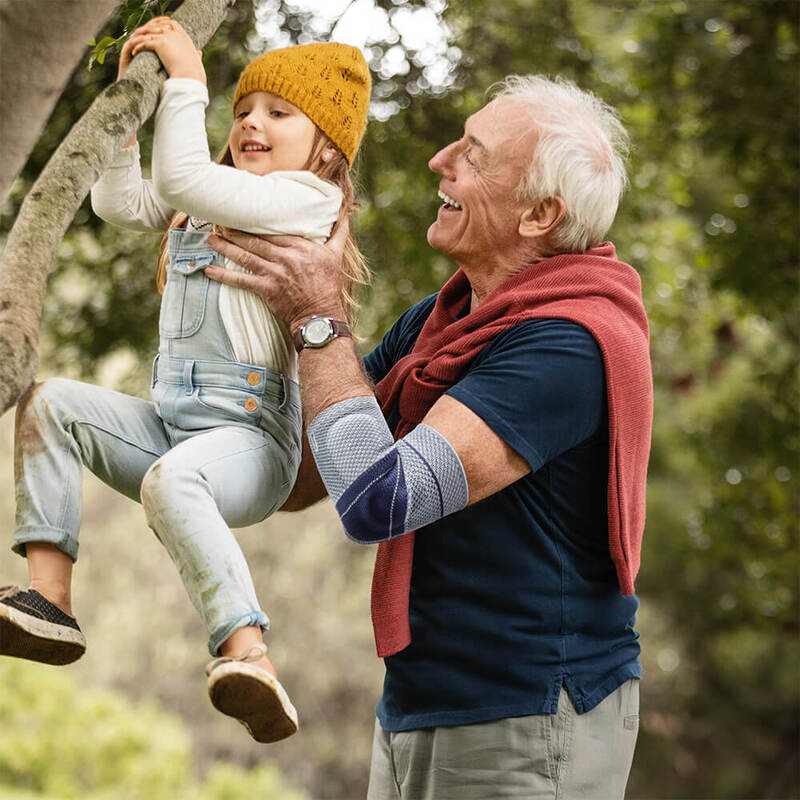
x: 48, y: 38
x: 51, y: 204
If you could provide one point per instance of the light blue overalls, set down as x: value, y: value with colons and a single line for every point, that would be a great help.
x: 217, y: 448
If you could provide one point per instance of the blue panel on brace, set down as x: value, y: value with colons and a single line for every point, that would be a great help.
x: 373, y: 507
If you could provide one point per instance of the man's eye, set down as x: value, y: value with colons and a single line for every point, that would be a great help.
x: 468, y: 158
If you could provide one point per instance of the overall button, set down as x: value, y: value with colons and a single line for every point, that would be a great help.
x: 251, y: 404
x: 253, y: 378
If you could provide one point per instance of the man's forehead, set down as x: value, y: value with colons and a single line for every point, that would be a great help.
x: 499, y: 122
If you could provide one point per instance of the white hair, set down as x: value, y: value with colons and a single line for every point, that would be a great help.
x: 579, y: 156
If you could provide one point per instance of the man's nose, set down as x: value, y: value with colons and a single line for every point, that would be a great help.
x: 443, y: 161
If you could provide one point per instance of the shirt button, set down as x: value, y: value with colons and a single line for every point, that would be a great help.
x: 253, y: 378
x: 251, y: 404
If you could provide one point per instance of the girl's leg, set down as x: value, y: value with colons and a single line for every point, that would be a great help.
x: 241, y: 640
x: 221, y: 478
x: 62, y: 425
x: 226, y: 477
x: 50, y: 573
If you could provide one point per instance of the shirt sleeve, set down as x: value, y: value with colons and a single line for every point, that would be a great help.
x: 122, y: 197
x: 185, y: 177
x: 540, y: 387
x: 398, y: 340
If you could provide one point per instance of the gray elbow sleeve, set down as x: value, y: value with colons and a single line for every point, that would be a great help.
x: 384, y: 488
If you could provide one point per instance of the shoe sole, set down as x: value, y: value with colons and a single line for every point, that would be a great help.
x: 24, y: 636
x: 255, y: 698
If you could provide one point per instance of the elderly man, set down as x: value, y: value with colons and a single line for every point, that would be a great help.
x: 510, y: 432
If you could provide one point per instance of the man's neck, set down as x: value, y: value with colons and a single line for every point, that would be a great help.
x: 484, y: 278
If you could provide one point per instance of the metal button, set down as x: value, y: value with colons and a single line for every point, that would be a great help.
x: 251, y: 404
x: 253, y: 378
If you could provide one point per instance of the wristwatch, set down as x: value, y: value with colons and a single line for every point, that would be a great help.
x: 318, y: 331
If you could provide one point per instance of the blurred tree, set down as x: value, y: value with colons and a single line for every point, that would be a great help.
x: 709, y: 92
x: 48, y: 39
x: 89, y: 745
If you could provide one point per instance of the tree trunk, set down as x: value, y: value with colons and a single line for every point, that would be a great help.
x: 40, y: 44
x: 52, y: 202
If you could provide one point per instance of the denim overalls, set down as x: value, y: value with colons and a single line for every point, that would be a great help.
x: 217, y: 448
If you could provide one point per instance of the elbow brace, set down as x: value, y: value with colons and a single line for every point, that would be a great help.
x: 382, y: 488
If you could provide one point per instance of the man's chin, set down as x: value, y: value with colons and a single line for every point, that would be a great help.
x: 434, y: 240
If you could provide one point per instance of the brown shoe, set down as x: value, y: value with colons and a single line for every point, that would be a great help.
x: 32, y: 627
x: 250, y: 694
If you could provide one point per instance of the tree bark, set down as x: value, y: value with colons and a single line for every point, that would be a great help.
x: 52, y: 202
x: 40, y: 44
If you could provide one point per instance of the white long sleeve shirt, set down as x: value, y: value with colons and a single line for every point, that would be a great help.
x: 185, y: 178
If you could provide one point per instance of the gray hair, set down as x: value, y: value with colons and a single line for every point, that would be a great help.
x: 580, y: 156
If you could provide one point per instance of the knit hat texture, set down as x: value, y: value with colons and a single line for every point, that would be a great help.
x: 328, y: 81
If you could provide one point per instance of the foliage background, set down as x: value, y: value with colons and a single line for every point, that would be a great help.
x: 709, y: 92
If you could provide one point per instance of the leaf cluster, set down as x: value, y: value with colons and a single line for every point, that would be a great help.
x: 134, y: 13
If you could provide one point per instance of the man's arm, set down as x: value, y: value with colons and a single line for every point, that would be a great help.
x: 298, y: 280
x: 308, y: 487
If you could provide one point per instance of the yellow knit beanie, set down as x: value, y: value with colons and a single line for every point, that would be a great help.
x: 329, y: 82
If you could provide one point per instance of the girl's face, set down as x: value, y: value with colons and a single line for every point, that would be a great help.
x: 269, y: 134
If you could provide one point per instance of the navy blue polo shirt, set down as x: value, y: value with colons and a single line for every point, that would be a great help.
x: 516, y: 595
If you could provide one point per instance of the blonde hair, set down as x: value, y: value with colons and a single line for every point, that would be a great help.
x: 355, y: 271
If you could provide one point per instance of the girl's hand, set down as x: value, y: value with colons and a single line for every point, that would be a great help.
x: 124, y: 58
x: 124, y: 62
x: 170, y: 42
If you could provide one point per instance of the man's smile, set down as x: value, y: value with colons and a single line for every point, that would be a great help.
x: 449, y: 201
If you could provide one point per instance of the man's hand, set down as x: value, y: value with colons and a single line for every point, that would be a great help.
x: 296, y: 278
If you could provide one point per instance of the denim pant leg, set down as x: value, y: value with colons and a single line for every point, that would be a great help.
x: 217, y: 479
x: 62, y: 425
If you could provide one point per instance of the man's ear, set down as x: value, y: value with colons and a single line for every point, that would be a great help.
x: 542, y: 219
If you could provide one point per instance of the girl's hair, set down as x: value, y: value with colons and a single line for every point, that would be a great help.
x: 336, y: 171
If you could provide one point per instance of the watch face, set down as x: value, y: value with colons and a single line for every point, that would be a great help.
x: 317, y: 331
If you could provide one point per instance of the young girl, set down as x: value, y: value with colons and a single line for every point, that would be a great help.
x: 219, y: 446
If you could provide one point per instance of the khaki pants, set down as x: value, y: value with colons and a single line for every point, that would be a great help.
x: 564, y: 756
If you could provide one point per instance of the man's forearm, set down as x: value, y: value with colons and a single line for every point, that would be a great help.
x: 381, y: 488
x: 329, y: 375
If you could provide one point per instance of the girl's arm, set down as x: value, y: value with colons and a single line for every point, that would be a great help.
x: 184, y: 175
x: 121, y: 196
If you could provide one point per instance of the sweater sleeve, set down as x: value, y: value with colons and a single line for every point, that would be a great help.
x: 122, y: 197
x: 185, y: 177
